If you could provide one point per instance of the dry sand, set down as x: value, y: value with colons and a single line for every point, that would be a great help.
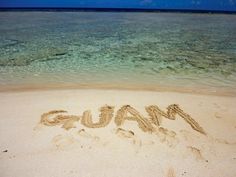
x: 171, y: 148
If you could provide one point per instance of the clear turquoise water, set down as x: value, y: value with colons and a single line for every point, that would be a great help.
x: 144, y: 50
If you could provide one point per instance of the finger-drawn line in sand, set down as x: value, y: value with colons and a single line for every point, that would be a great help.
x: 122, y: 115
x: 129, y: 135
x: 67, y: 121
x: 222, y: 141
x: 172, y: 110
x: 167, y: 136
x: 196, y: 152
x: 85, y: 134
x: 105, y: 117
x: 61, y: 141
x: 125, y: 133
x: 170, y: 172
x: 126, y: 112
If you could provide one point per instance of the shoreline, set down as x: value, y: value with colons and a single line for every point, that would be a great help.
x: 188, y: 90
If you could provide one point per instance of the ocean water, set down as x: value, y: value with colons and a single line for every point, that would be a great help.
x: 118, y: 50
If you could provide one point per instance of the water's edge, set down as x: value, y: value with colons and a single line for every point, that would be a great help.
x: 195, y: 91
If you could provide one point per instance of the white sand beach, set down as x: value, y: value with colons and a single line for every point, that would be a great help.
x: 31, y: 149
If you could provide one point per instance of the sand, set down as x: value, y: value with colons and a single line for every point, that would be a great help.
x: 82, y: 132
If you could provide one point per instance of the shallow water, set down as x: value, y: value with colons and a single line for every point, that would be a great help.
x: 142, y: 50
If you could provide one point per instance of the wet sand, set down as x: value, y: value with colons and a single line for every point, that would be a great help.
x: 82, y: 132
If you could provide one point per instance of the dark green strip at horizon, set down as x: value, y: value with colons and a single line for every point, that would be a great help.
x: 170, y: 5
x: 118, y: 10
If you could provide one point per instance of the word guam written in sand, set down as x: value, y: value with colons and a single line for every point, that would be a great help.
x: 126, y: 112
